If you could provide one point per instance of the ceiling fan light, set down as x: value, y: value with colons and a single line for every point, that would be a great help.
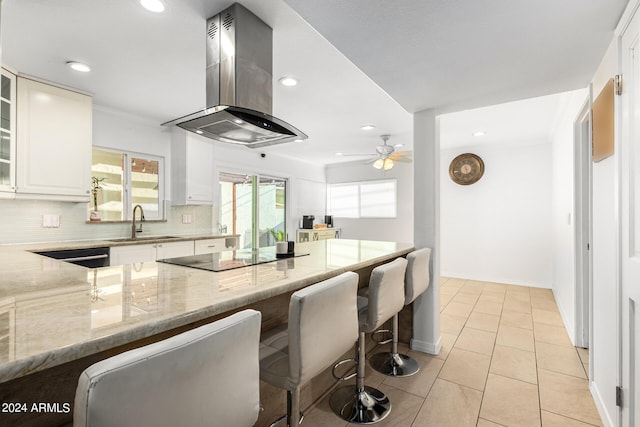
x: 378, y: 164
x: 388, y: 164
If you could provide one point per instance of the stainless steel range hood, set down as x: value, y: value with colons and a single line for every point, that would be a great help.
x: 239, y: 84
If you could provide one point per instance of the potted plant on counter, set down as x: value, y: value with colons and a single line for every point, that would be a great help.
x: 95, y: 187
x: 278, y: 235
x: 283, y: 247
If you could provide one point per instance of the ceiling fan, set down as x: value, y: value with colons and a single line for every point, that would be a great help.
x: 386, y: 155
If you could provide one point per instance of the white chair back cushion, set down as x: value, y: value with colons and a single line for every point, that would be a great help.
x: 207, y: 376
x: 417, y: 277
x: 386, y: 293
x: 323, y: 325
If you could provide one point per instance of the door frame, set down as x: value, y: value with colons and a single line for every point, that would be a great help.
x: 583, y: 226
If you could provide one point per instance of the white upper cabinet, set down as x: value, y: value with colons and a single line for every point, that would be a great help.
x: 7, y: 134
x: 54, y: 134
x: 191, y: 169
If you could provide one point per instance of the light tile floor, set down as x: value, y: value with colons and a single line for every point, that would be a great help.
x: 506, y: 360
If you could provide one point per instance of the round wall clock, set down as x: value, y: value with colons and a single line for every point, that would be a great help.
x: 466, y: 169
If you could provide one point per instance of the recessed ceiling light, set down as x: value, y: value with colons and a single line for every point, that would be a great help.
x: 479, y: 133
x: 199, y: 132
x: 288, y: 81
x: 338, y: 154
x: 367, y: 127
x: 152, y: 5
x: 399, y: 145
x: 79, y: 66
x: 298, y: 140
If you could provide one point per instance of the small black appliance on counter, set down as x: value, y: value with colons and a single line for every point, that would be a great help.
x: 307, y: 221
x: 328, y: 219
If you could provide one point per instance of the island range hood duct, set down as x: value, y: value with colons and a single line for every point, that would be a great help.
x: 239, y: 84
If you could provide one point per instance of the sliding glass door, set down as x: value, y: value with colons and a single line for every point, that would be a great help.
x: 271, y: 212
x: 254, y: 207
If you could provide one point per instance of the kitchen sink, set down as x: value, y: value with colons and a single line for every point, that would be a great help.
x: 142, y: 239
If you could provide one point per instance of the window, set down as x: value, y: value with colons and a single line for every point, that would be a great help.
x: 123, y: 180
x: 370, y: 199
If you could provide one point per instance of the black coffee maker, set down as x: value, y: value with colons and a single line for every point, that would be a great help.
x: 307, y: 221
x: 328, y: 219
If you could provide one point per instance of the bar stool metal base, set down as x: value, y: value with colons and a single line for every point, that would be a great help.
x: 365, y: 407
x: 285, y: 418
x: 394, y: 365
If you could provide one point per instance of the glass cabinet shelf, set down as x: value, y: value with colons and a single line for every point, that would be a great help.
x: 7, y: 131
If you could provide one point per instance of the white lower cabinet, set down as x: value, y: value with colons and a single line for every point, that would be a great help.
x: 212, y: 246
x: 311, y: 235
x: 174, y: 249
x: 209, y: 246
x: 131, y: 254
x: 149, y: 252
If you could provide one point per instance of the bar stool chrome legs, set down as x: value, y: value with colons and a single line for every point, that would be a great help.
x: 293, y: 408
x: 364, y: 405
x: 361, y: 404
x: 416, y: 283
x: 394, y: 364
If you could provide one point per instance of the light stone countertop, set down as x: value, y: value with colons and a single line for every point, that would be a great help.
x: 53, y: 312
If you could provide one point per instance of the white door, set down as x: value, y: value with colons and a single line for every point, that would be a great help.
x: 630, y: 226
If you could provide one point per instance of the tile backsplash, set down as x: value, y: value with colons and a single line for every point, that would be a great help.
x: 21, y: 221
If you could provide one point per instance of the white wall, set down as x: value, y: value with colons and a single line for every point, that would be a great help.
x: 398, y: 229
x: 563, y: 214
x: 603, y: 346
x: 499, y: 229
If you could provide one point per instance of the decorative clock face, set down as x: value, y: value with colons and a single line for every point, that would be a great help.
x: 466, y: 169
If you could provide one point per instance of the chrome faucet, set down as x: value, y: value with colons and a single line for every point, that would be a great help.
x: 133, y: 225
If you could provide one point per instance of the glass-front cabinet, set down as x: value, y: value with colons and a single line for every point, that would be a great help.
x: 7, y: 133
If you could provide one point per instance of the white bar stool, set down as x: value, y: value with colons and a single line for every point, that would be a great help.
x: 202, y: 377
x: 362, y: 404
x: 323, y: 324
x: 416, y: 282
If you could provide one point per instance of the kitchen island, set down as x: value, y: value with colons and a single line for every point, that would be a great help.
x: 60, y: 318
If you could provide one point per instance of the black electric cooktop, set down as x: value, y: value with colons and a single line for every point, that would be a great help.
x: 228, y: 260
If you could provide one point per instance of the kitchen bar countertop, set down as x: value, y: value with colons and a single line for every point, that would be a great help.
x: 53, y: 312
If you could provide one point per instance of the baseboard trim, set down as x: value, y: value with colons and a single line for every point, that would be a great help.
x: 500, y: 280
x: 569, y: 325
x: 427, y: 347
x: 600, y: 406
